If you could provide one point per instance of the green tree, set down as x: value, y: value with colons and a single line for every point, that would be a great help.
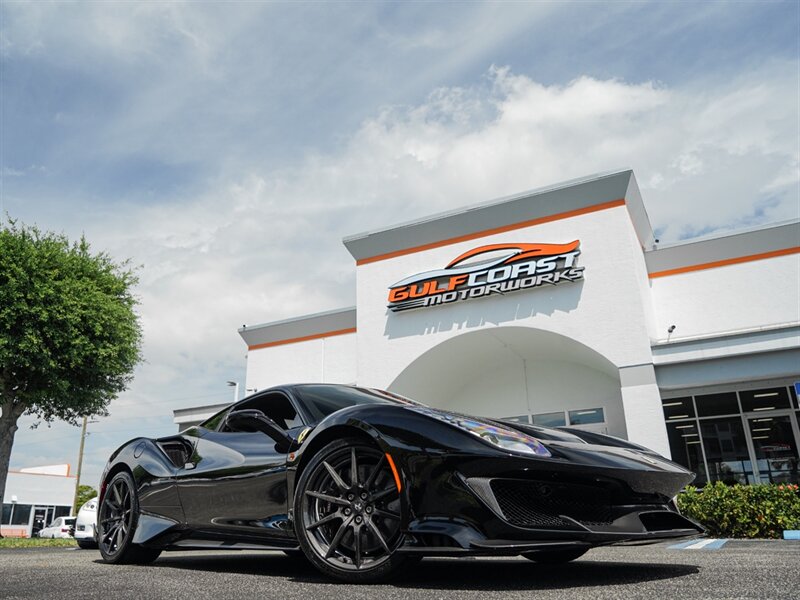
x: 69, y: 335
x: 85, y: 493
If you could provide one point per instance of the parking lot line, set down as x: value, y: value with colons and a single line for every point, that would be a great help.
x: 704, y: 544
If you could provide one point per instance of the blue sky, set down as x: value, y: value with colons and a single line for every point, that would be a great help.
x: 205, y: 140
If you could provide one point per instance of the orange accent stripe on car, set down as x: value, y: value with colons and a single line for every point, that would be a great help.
x: 722, y: 263
x: 304, y: 338
x: 394, y: 471
x: 485, y: 232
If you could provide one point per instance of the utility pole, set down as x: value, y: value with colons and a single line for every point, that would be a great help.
x: 80, y: 464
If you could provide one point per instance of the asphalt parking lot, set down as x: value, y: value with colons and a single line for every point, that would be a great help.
x: 739, y: 569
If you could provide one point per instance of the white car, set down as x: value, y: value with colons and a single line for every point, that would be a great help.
x: 59, y: 528
x: 86, y: 525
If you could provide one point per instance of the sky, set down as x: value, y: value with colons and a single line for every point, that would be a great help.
x: 227, y: 148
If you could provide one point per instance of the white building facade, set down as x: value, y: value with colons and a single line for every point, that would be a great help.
x: 34, y: 497
x: 558, y: 307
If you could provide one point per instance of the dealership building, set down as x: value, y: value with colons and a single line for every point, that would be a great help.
x: 558, y: 307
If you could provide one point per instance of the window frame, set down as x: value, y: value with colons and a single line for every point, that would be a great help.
x: 743, y: 415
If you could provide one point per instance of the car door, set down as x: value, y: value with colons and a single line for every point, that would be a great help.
x: 236, y: 485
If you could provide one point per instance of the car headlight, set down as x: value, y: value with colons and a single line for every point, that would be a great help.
x: 499, y: 437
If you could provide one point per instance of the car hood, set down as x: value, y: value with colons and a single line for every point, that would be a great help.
x: 561, y: 435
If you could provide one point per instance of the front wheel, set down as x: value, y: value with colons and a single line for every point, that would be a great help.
x: 555, y: 557
x: 347, y: 513
x: 116, y: 523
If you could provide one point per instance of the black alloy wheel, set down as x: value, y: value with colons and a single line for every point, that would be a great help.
x: 555, y: 557
x: 347, y: 513
x: 116, y: 524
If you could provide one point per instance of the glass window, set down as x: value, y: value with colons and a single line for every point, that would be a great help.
x: 553, y: 419
x: 519, y: 419
x: 214, y: 422
x: 711, y: 405
x: 22, y: 514
x: 776, y: 449
x: 793, y: 394
x: 726, y: 450
x: 6, y: 514
x: 678, y: 408
x: 62, y: 511
x: 277, y: 407
x: 770, y: 399
x: 684, y: 444
x: 586, y: 417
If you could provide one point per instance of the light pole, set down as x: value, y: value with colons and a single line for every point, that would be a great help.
x: 235, y: 386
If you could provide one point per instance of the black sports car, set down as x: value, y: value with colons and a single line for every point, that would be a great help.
x: 363, y: 481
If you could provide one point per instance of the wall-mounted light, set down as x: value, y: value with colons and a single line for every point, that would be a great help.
x: 235, y: 386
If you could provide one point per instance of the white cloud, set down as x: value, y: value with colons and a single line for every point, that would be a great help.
x: 248, y: 251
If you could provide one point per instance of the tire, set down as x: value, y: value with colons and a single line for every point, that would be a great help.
x: 349, y: 526
x: 556, y: 557
x: 86, y: 545
x: 117, y: 519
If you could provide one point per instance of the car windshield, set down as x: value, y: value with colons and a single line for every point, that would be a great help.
x: 323, y: 400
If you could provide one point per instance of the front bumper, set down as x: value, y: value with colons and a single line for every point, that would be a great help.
x: 88, y: 533
x: 510, y: 505
x: 85, y: 528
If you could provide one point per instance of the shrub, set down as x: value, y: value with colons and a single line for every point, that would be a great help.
x: 743, y: 511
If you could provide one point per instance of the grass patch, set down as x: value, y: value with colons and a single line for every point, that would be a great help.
x: 37, y: 543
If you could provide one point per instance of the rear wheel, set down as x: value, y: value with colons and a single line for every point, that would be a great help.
x: 554, y: 557
x: 116, y: 524
x: 347, y: 513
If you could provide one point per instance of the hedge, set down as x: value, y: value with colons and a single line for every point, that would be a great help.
x: 37, y: 542
x: 743, y: 511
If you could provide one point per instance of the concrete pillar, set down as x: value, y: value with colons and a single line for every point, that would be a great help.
x: 641, y: 402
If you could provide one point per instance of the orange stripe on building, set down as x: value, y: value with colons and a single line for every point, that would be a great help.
x: 304, y: 338
x: 722, y: 263
x: 485, y: 232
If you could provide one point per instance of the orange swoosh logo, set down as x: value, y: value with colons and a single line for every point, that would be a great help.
x: 525, y: 251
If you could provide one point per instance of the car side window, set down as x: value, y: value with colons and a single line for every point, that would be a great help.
x: 277, y: 407
x: 216, y: 421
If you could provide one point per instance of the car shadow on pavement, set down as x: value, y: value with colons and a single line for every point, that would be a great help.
x: 521, y: 574
x: 462, y: 574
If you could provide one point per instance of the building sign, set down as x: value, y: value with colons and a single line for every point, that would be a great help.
x: 491, y: 269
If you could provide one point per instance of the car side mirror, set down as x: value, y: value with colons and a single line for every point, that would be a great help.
x: 255, y: 420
